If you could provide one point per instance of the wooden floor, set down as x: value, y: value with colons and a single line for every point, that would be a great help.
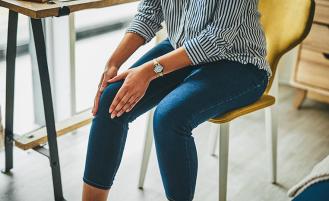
x: 303, y: 141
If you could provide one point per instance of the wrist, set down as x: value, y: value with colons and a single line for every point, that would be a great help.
x: 111, y: 67
x: 113, y: 64
x: 148, y: 70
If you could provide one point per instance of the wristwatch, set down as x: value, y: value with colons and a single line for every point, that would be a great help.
x: 157, y: 68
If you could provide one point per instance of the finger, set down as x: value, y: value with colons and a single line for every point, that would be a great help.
x: 131, y: 107
x: 96, y: 102
x: 133, y: 104
x: 122, y: 102
x: 102, y: 83
x: 118, y: 77
x: 127, y: 105
x: 120, y: 94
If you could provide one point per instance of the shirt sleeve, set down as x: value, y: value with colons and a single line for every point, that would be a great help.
x: 148, y: 19
x: 219, y: 34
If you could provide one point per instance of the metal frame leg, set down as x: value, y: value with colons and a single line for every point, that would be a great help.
x: 39, y: 42
x: 10, y: 85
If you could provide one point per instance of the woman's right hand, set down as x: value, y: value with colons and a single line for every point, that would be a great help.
x: 109, y: 72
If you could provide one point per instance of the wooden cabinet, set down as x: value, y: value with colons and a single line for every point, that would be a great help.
x: 311, y: 73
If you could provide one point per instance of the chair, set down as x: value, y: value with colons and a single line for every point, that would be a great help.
x: 286, y: 23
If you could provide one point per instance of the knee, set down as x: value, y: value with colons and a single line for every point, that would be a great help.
x: 171, y: 118
x: 107, y: 97
x: 106, y: 100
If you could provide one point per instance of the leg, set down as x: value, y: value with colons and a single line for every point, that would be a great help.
x: 271, y: 126
x: 10, y: 85
x: 214, y: 132
x: 223, y: 159
x: 94, y: 194
x: 147, y: 149
x: 271, y: 129
x: 48, y: 107
x: 108, y: 136
x: 211, y: 90
x: 299, y: 98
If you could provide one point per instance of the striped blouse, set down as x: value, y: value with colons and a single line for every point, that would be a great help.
x: 209, y: 30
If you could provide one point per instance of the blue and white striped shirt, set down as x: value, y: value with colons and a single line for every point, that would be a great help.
x: 209, y: 30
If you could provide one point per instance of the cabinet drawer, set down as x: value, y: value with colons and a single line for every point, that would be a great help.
x: 318, y: 38
x: 313, y: 69
x: 322, y: 11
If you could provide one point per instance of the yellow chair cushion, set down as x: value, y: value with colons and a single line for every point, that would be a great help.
x: 263, y: 102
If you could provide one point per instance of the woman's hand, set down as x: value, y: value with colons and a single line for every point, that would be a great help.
x: 109, y: 72
x: 132, y: 90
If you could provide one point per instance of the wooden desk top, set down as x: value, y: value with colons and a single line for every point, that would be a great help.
x: 42, y: 10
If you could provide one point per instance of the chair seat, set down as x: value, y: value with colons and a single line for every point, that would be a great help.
x: 263, y: 102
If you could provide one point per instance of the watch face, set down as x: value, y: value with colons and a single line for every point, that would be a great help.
x: 158, y: 68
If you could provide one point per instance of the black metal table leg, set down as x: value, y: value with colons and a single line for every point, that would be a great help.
x: 39, y: 41
x: 10, y: 85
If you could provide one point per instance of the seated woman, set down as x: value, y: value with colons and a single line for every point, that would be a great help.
x: 213, y: 61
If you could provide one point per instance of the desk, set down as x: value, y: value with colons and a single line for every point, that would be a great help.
x: 37, y: 11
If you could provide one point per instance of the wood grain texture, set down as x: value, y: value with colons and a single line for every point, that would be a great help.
x: 42, y: 10
x: 299, y: 98
x: 318, y: 39
x: 39, y: 136
x: 317, y: 96
x: 303, y: 142
x: 311, y: 71
x: 322, y: 12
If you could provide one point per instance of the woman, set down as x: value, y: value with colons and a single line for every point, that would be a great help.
x: 213, y: 61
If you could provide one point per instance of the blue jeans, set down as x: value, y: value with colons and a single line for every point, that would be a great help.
x: 184, y: 98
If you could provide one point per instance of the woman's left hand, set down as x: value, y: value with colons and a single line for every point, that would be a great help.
x: 136, y: 81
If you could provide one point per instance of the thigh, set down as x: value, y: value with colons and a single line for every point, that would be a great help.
x: 157, y: 89
x: 211, y: 90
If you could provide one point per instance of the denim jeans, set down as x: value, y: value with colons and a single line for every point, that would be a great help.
x: 184, y: 99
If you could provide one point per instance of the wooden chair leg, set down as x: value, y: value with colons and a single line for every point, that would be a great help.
x: 223, y: 159
x: 271, y: 126
x: 213, y: 138
x: 147, y: 149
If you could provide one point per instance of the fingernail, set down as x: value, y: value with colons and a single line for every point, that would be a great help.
x: 101, y: 89
x: 111, y: 110
x: 112, y: 116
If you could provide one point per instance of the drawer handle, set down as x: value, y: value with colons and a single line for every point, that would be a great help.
x: 326, y: 55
